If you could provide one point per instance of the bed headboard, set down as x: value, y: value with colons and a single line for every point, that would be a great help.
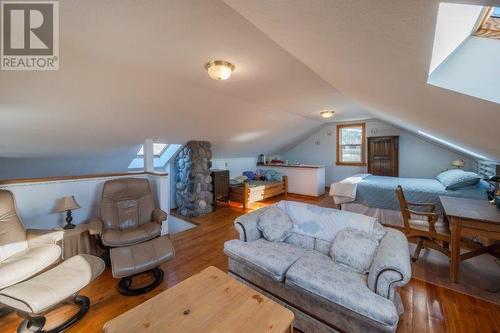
x: 485, y: 169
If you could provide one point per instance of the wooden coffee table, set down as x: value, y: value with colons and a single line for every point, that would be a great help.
x: 210, y: 301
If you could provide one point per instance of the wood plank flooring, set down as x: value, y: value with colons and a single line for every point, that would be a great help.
x: 428, y: 308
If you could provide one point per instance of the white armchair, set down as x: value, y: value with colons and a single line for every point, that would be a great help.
x: 23, y: 253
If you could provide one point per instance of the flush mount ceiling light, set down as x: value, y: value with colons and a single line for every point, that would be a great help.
x: 219, y: 69
x: 327, y: 114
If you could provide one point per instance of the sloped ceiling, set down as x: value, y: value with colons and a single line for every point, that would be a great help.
x: 131, y: 70
x: 378, y: 53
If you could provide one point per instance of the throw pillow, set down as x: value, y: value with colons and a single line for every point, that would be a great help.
x: 456, y: 178
x: 275, y: 224
x: 354, y: 249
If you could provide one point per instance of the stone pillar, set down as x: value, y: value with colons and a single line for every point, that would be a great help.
x: 193, y: 181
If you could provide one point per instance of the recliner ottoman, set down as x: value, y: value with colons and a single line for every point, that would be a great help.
x: 36, y: 296
x: 132, y: 260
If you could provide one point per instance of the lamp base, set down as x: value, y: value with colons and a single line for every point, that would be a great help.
x: 69, y: 219
x: 69, y: 226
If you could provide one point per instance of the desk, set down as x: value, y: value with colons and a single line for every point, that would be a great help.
x: 470, y: 218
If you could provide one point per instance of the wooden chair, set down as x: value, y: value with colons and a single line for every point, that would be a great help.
x: 429, y: 232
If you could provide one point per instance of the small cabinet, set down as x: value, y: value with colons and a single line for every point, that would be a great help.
x: 220, y: 184
x: 383, y: 156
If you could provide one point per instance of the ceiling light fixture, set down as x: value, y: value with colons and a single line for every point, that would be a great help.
x: 327, y: 114
x: 219, y: 69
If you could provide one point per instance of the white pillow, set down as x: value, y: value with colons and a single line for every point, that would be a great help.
x: 275, y: 224
x: 354, y: 249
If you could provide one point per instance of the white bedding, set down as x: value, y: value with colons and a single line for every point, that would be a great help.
x: 345, y: 190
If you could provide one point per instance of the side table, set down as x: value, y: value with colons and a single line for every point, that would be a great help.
x: 77, y: 241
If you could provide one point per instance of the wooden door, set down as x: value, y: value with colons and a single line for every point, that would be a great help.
x: 383, y: 156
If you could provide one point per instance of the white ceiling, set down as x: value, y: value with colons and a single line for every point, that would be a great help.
x: 131, y: 70
x: 378, y: 53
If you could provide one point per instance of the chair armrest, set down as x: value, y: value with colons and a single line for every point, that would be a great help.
x: 95, y: 226
x: 391, y: 266
x: 159, y: 215
x: 246, y: 225
x: 428, y: 214
x: 38, y: 237
x: 431, y: 206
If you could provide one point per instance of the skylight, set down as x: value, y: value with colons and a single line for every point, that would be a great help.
x: 452, y: 145
x: 490, y: 24
x: 496, y: 12
x: 158, y: 149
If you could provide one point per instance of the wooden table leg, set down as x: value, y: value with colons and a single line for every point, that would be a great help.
x: 455, y: 249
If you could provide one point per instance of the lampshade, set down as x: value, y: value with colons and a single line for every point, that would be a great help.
x: 219, y: 69
x: 67, y: 203
x: 458, y: 163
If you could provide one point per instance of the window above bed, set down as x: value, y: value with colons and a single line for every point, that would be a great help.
x: 351, y: 144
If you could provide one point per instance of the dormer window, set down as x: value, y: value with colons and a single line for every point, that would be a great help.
x: 158, y: 149
x: 490, y: 24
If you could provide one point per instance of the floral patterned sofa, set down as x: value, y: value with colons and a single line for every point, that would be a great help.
x: 325, y: 296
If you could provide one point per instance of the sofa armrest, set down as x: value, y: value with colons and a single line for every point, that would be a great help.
x: 95, y: 226
x: 159, y: 215
x: 38, y: 237
x: 391, y: 266
x: 246, y: 225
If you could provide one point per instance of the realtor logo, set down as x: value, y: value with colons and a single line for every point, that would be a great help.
x: 29, y: 35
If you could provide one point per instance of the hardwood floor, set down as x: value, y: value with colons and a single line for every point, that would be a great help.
x: 428, y: 308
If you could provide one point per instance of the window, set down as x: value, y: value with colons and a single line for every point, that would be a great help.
x: 351, y: 144
x: 490, y: 24
x: 158, y: 149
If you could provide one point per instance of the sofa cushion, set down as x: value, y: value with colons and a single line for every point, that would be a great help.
x: 303, y: 241
x: 126, y: 237
x: 354, y: 249
x: 270, y: 258
x: 317, y: 274
x: 275, y: 224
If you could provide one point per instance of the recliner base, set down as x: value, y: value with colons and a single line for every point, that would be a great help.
x: 34, y: 324
x: 125, y: 283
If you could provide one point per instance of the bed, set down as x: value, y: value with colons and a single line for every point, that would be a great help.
x: 255, y: 190
x: 375, y: 196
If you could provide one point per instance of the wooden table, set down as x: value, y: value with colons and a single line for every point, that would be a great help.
x: 210, y: 301
x: 470, y: 218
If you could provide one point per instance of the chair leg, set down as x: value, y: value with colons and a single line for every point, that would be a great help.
x: 416, y: 254
x: 35, y: 324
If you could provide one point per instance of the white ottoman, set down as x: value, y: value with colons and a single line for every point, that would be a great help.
x: 34, y: 297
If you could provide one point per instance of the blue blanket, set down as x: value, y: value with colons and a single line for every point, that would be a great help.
x: 378, y: 191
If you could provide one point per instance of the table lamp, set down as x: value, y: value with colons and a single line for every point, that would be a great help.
x: 67, y: 204
x: 459, y: 163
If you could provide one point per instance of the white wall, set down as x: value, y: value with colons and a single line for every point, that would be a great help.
x: 36, y: 201
x: 473, y: 69
x: 454, y: 24
x: 235, y: 165
x: 417, y: 157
